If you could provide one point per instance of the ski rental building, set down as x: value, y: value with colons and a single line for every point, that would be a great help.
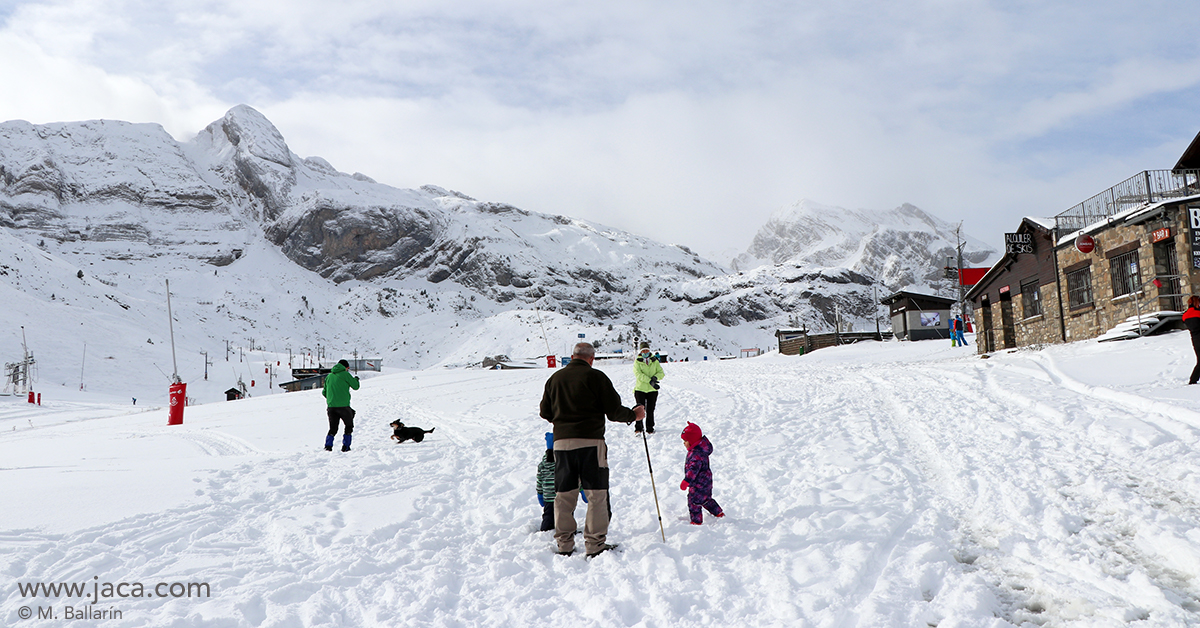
x: 1120, y: 264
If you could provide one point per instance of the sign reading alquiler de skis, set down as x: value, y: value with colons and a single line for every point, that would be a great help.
x: 1018, y: 243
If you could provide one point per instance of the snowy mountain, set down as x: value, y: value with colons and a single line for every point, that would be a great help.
x: 905, y: 248
x: 271, y: 253
x: 115, y: 181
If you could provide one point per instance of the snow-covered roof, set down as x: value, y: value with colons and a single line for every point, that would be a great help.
x: 1045, y: 223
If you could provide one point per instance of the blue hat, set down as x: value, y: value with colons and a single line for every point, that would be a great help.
x: 549, y: 440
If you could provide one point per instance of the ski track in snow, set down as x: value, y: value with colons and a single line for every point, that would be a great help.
x: 958, y: 492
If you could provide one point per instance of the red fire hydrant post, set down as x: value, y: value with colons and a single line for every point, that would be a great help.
x: 178, y: 399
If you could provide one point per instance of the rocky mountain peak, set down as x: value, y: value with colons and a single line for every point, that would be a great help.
x: 904, y: 247
x: 252, y: 133
x: 248, y: 154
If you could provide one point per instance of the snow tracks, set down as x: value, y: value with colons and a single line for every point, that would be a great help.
x: 863, y: 487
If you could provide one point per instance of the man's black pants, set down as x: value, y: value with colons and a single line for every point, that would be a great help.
x: 581, y: 463
x: 340, y: 415
x: 1195, y: 347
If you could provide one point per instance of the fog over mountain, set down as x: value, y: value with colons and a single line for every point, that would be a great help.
x: 904, y: 248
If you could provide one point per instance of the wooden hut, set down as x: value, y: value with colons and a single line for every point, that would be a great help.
x: 917, y: 316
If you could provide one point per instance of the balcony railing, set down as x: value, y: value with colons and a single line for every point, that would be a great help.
x: 1144, y: 188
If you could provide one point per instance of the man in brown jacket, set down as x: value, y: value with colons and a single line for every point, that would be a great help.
x: 576, y: 400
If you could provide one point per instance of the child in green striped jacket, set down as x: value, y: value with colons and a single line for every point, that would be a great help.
x: 545, y: 485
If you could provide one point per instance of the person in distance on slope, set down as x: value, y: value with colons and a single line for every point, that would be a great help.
x: 1191, y: 318
x: 958, y: 331
x: 545, y: 485
x: 647, y: 372
x: 697, y: 475
x: 338, y: 383
x: 576, y: 400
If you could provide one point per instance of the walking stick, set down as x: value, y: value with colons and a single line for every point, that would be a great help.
x: 654, y: 488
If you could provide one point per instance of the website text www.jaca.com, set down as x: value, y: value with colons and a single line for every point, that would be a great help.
x: 81, y: 598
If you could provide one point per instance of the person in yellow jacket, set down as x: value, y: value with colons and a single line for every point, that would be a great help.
x: 647, y: 373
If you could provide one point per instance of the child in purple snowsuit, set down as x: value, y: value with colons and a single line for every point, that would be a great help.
x: 697, y: 476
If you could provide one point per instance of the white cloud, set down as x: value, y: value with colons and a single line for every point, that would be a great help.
x: 1121, y: 85
x: 44, y: 88
x: 686, y: 121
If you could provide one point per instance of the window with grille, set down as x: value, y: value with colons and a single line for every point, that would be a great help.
x: 1031, y: 298
x: 1125, y: 275
x: 1079, y: 288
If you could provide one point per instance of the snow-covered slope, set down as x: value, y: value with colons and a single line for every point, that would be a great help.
x: 905, y: 248
x: 889, y: 484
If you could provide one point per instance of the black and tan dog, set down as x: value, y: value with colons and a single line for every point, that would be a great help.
x: 401, y: 433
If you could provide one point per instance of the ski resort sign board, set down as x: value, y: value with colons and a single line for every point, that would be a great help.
x: 1018, y: 243
x: 1194, y: 223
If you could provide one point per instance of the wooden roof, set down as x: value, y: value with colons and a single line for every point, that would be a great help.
x: 916, y: 296
x: 1190, y: 160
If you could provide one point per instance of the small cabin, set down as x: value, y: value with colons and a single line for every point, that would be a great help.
x: 917, y: 316
x: 233, y: 394
x: 308, y: 383
x: 792, y: 341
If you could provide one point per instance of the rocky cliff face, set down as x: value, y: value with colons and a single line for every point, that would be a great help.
x: 103, y: 181
x: 57, y: 176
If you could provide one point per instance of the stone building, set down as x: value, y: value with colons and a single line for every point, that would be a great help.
x: 1129, y: 252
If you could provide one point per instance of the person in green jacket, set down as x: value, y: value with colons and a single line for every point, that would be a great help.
x: 338, y: 383
x: 647, y: 373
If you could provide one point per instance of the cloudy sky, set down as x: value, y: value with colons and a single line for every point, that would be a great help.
x: 689, y: 121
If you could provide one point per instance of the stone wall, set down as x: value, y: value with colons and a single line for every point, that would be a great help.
x: 1106, y: 311
x: 1040, y: 328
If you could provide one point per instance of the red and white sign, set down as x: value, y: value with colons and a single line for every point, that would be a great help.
x: 1084, y: 243
x: 178, y: 399
x: 1160, y: 234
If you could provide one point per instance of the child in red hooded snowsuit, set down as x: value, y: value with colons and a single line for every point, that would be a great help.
x: 697, y: 476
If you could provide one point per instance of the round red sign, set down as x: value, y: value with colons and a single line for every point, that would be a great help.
x: 1084, y: 243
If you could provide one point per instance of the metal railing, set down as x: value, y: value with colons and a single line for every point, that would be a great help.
x: 1141, y: 189
x: 1137, y: 294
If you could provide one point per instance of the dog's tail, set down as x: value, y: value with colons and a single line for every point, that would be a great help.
x: 430, y: 430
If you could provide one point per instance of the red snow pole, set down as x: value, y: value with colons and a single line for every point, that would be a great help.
x: 178, y: 400
x: 178, y: 390
x: 31, y: 396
